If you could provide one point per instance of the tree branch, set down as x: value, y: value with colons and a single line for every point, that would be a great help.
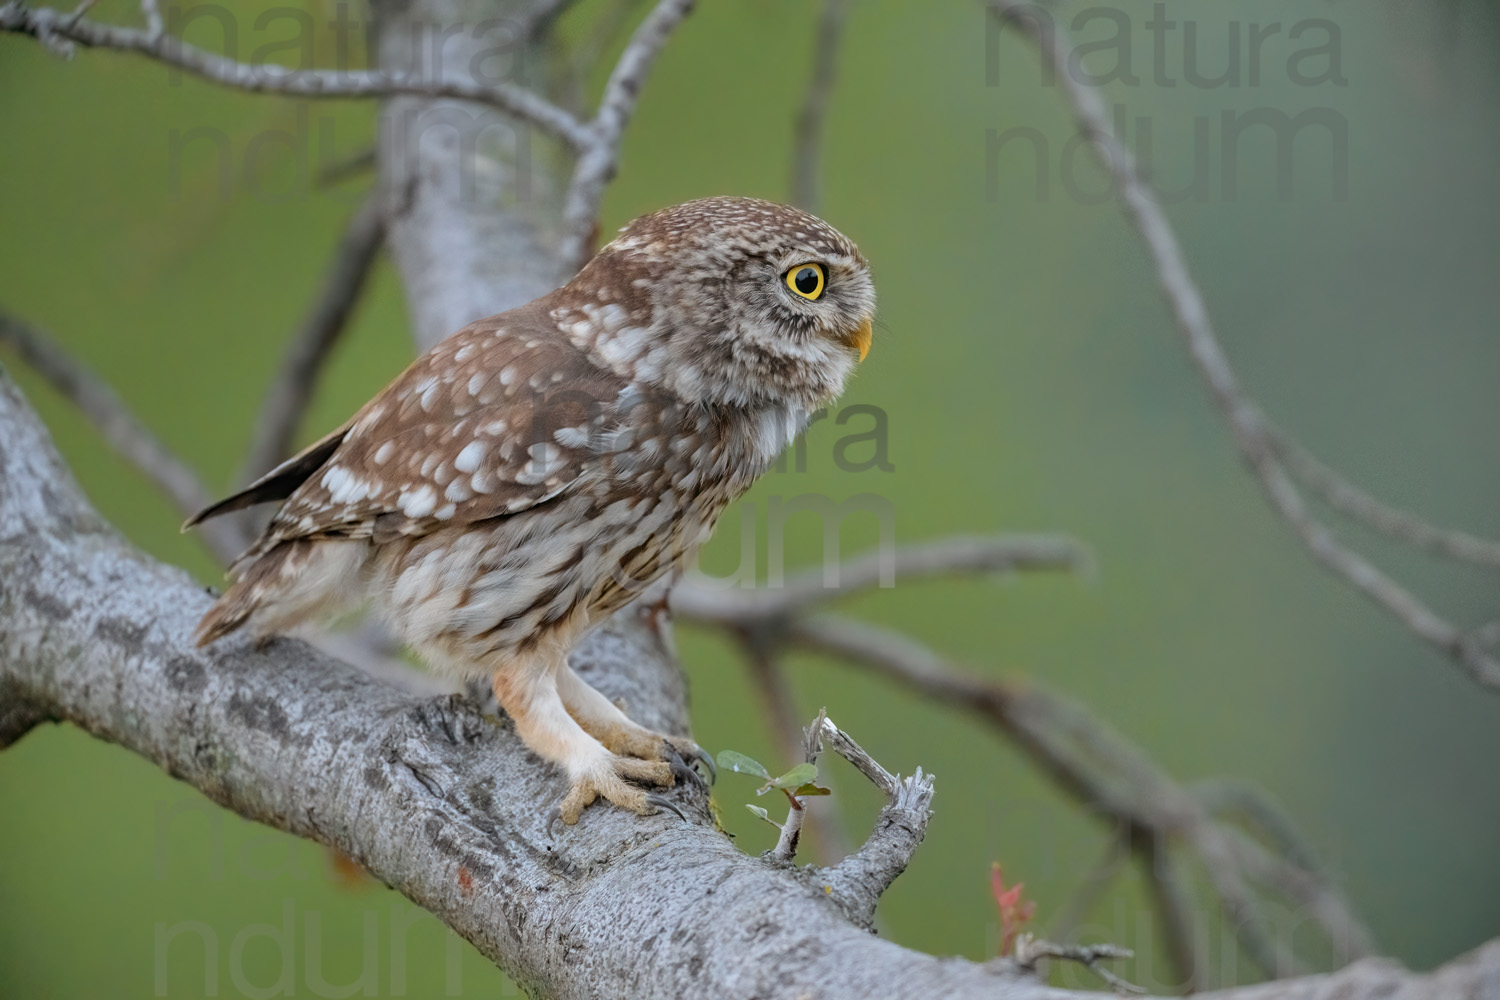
x: 59, y: 31
x: 597, y: 160
x: 807, y: 139
x: 289, y: 395
x: 805, y: 591
x: 99, y: 404
x: 1247, y: 424
x: 1103, y: 772
x: 1346, y: 498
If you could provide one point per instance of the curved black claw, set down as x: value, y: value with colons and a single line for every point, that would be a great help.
x: 680, y: 769
x: 699, y: 756
x: 660, y: 802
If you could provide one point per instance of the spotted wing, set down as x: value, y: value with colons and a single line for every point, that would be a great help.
x: 501, y: 416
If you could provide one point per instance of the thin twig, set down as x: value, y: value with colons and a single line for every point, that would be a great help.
x: 124, y: 432
x: 356, y: 164
x: 1030, y: 950
x: 1227, y: 796
x: 155, y: 27
x: 1248, y: 426
x: 287, y: 399
x: 807, y: 590
x: 1307, y: 890
x: 769, y: 678
x: 1173, y: 905
x: 54, y: 27
x: 857, y: 882
x: 599, y: 155
x: 1346, y: 498
x: 1091, y: 888
x: 807, y: 140
x: 811, y: 743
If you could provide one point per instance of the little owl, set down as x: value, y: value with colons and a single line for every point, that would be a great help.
x: 535, y: 471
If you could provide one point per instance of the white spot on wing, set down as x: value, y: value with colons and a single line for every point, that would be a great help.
x: 418, y: 503
x: 468, y: 459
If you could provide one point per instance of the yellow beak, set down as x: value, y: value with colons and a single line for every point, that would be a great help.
x: 861, y: 338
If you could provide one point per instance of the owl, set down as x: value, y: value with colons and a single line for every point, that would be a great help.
x: 535, y: 471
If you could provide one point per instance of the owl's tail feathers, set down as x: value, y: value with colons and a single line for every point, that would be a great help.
x: 230, y: 612
x: 278, y: 484
x: 288, y: 583
x: 257, y: 578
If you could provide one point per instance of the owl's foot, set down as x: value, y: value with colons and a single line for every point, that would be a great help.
x: 605, y: 722
x: 646, y: 745
x: 611, y: 780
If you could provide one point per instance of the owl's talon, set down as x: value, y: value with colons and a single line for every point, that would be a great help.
x: 612, y: 781
x: 698, y: 755
x: 662, y: 802
x: 680, y: 769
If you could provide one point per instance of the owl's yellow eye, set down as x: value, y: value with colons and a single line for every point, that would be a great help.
x: 806, y: 280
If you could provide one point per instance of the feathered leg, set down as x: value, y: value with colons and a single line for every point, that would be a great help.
x: 527, y: 688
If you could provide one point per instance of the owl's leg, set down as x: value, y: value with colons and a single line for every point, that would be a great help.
x: 527, y: 689
x: 603, y: 720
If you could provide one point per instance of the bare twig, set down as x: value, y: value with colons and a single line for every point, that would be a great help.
x: 1226, y: 797
x: 155, y: 27
x: 599, y: 155
x: 287, y: 399
x: 857, y: 882
x: 1091, y: 888
x: 1346, y: 498
x: 55, y: 28
x: 358, y: 163
x: 769, y: 678
x: 791, y: 831
x: 807, y: 140
x: 843, y: 744
x: 1173, y: 906
x: 1030, y: 950
x: 102, y: 407
x: 1305, y: 888
x: 946, y: 557
x: 1248, y: 426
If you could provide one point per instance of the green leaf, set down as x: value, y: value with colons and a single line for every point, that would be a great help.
x: 812, y: 789
x: 799, y: 775
x: 757, y: 810
x: 731, y: 760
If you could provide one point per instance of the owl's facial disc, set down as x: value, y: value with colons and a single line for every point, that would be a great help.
x: 833, y: 291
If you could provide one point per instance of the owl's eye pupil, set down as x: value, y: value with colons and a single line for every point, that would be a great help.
x: 807, y: 281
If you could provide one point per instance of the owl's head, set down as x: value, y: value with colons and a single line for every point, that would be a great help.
x: 729, y: 301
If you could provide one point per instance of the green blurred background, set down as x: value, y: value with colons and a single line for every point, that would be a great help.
x: 1032, y: 382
